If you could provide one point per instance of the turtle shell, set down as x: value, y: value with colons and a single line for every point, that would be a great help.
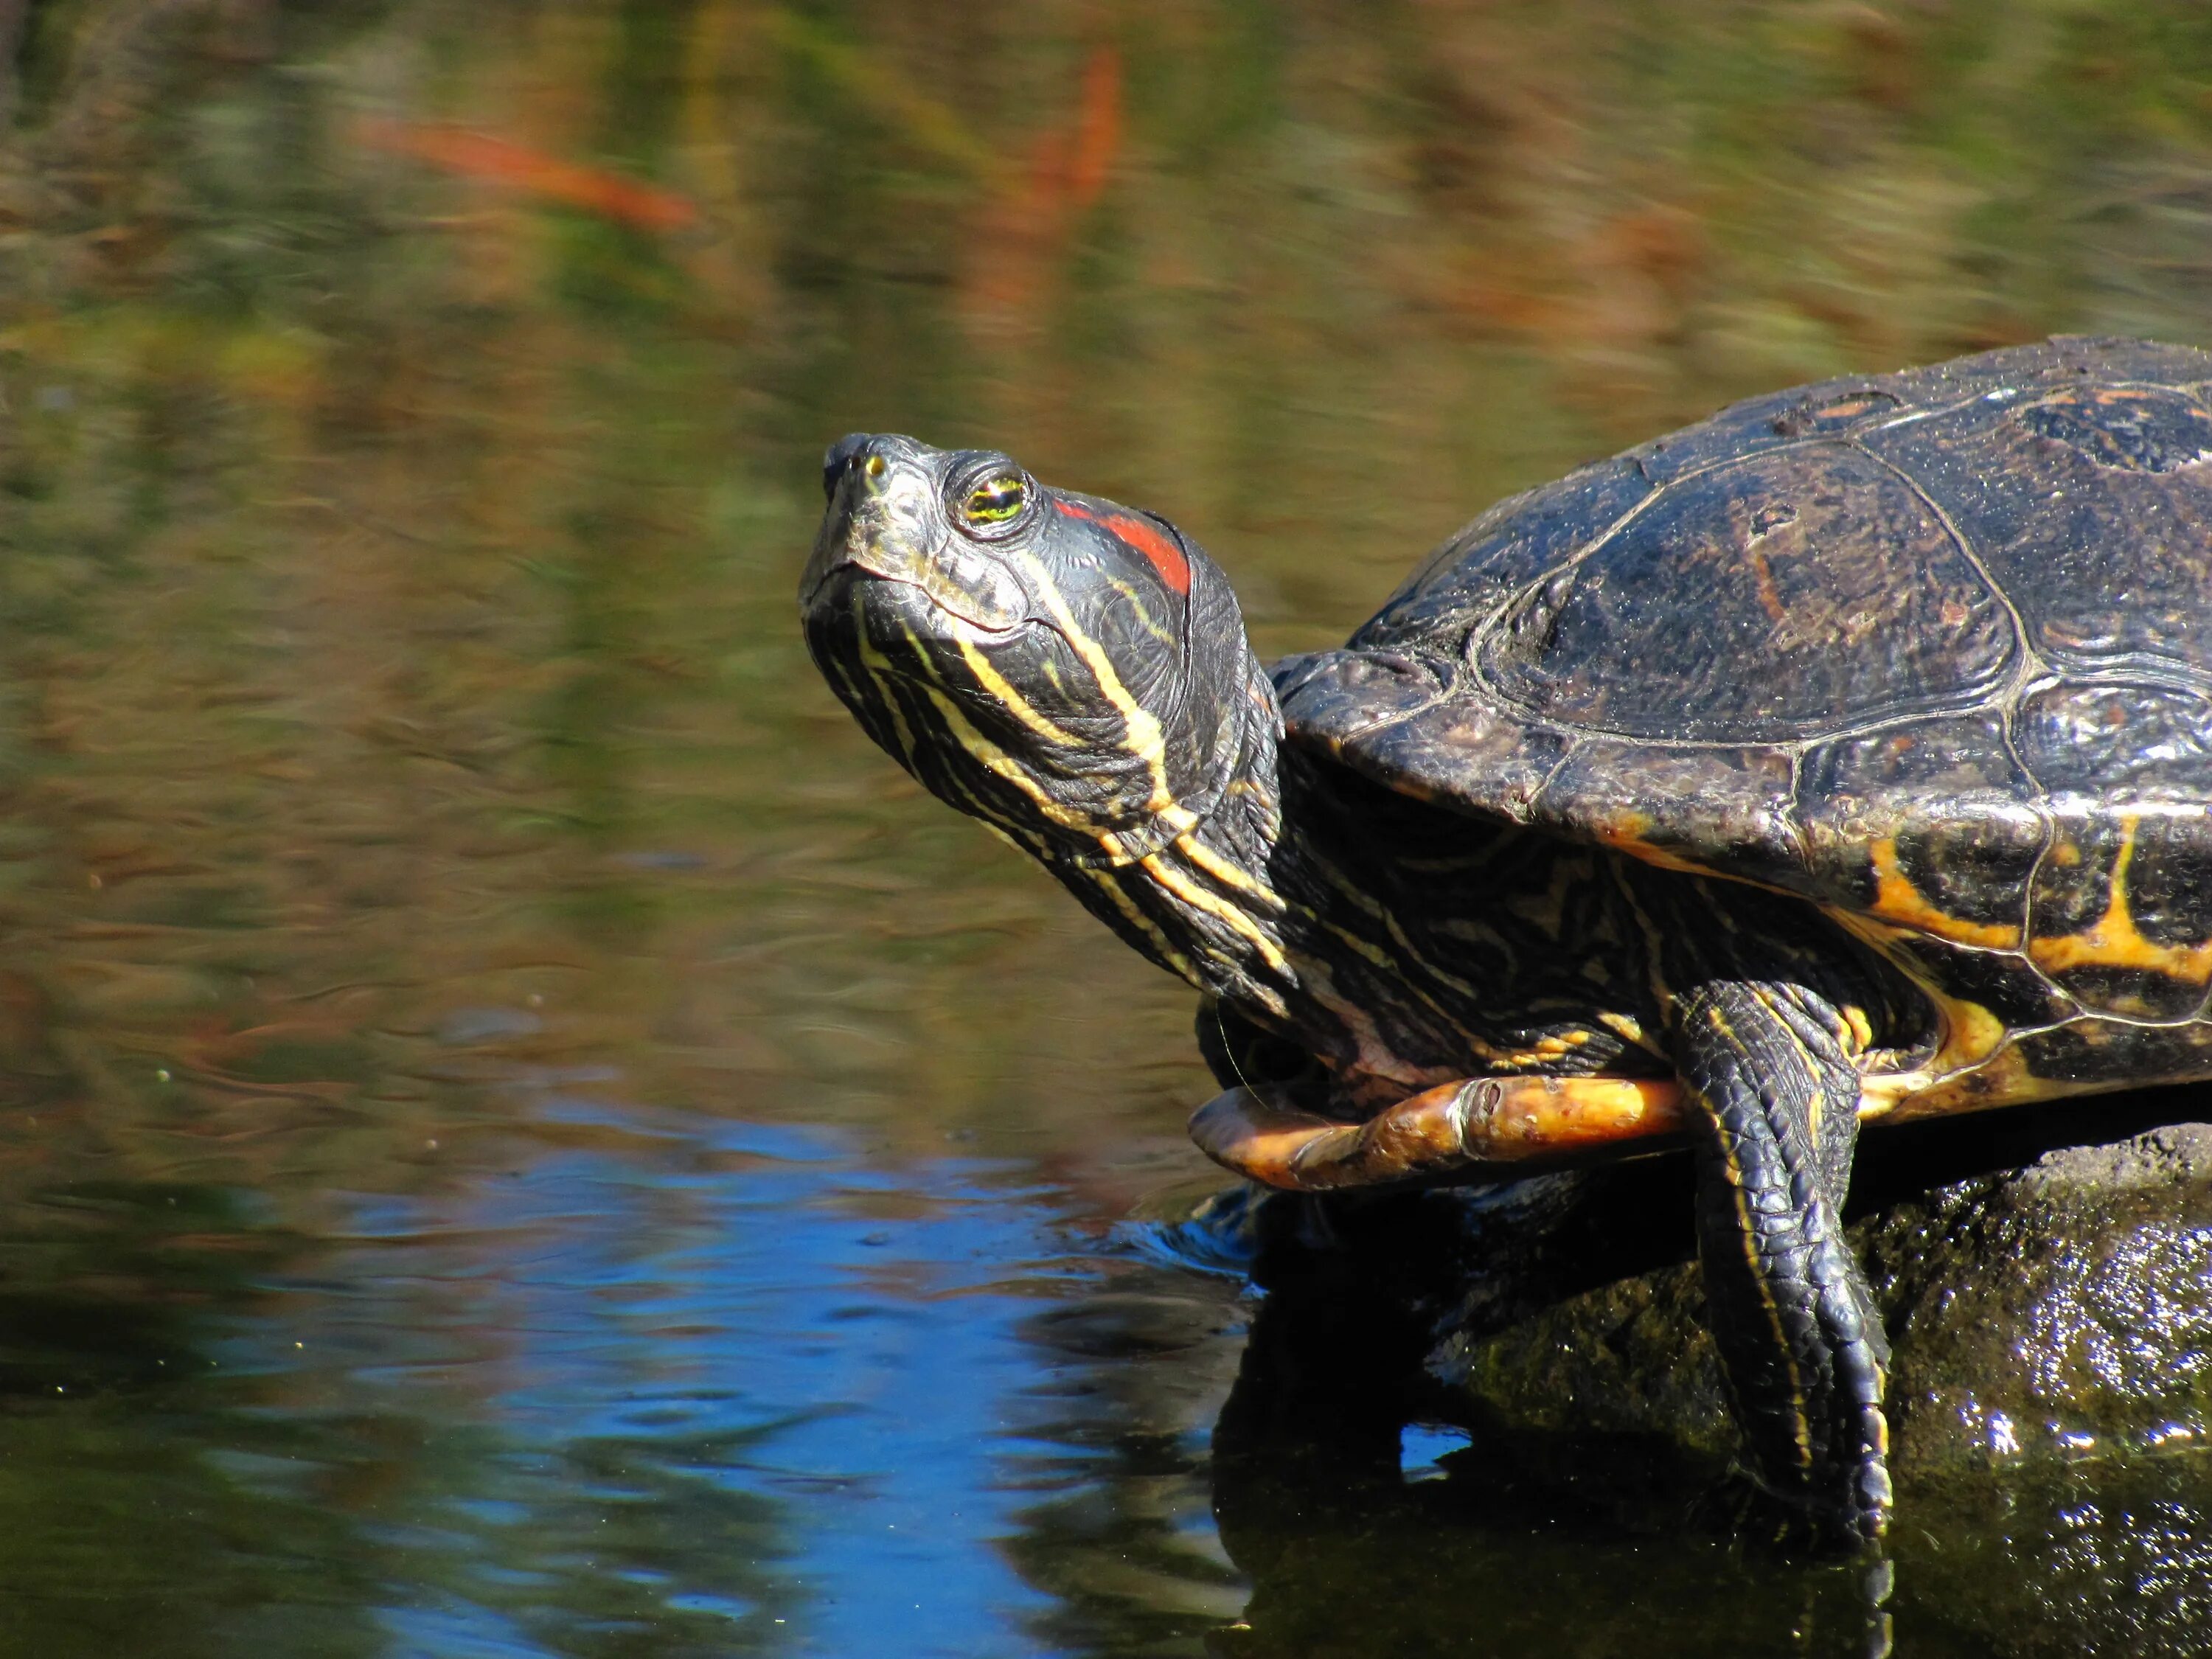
x: 1933, y: 650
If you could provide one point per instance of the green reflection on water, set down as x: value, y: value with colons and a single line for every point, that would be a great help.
x: 402, y: 695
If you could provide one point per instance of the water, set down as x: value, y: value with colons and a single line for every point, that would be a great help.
x: 523, y: 1134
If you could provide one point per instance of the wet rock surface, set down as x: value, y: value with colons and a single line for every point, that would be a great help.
x: 2062, y: 1307
x: 2045, y: 1277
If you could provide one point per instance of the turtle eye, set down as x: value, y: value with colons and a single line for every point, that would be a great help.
x: 996, y: 500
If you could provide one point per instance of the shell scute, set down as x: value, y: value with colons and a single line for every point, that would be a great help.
x: 1678, y: 805
x: 2125, y: 428
x: 1767, y: 599
x: 1392, y: 717
x: 2121, y: 909
x: 2090, y: 504
x: 1931, y: 825
x: 2009, y: 987
x: 1503, y: 550
x: 2114, y: 742
x: 1932, y: 650
x: 2104, y: 1053
x: 1829, y: 410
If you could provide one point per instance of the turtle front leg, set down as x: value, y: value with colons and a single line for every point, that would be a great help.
x: 1772, y: 1098
x: 1457, y: 1131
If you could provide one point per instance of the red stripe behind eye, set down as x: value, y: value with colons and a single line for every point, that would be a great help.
x: 1167, y: 558
x: 1163, y: 555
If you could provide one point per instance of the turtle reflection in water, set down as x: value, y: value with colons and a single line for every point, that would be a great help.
x: 1844, y: 758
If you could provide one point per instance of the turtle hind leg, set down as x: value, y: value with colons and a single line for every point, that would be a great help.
x: 1772, y: 1095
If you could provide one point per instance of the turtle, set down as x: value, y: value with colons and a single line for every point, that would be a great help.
x: 1842, y: 759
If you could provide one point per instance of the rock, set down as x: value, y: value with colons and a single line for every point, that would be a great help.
x: 2062, y: 1309
x: 2045, y: 1276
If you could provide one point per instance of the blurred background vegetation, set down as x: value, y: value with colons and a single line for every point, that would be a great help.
x: 409, y: 417
x: 411, y: 411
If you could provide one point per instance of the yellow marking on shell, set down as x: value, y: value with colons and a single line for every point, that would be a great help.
x: 1146, y: 740
x: 1199, y: 899
x: 1970, y: 1050
x: 1972, y: 1034
x: 1897, y: 900
x: 1881, y: 1093
x: 2002, y: 1080
x: 1625, y: 832
x: 2114, y: 941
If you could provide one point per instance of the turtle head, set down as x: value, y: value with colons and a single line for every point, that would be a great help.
x: 1071, y: 671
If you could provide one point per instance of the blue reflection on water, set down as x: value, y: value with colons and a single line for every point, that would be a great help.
x: 1423, y: 1446
x: 691, y: 1385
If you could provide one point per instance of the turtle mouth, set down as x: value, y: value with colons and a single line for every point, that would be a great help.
x: 885, y: 529
x: 902, y: 605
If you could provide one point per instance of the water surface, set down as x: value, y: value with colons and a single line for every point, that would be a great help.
x: 522, y: 1133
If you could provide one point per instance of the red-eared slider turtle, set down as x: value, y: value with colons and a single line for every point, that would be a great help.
x: 1844, y: 757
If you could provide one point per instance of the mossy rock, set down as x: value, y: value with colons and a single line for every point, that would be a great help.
x: 2060, y: 1309
x: 2048, y: 1295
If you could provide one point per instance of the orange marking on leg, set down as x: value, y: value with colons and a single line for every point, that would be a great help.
x: 1462, y: 1129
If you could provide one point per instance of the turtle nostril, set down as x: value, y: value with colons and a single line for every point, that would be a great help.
x: 856, y: 453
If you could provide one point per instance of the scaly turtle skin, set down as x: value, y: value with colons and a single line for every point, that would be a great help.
x: 1844, y: 757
